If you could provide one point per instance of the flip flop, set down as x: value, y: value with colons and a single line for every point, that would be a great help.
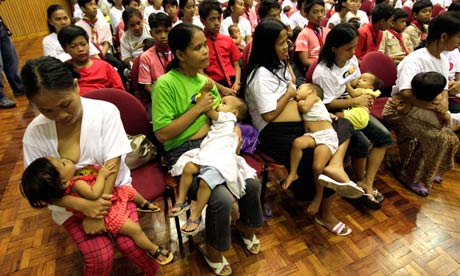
x: 145, y: 208
x: 348, y: 189
x: 337, y: 229
x: 159, y: 252
x: 378, y: 196
x: 191, y: 222
x: 217, y: 268
x: 249, y: 243
x: 183, y: 206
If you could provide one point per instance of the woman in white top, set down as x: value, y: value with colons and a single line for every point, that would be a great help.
x: 116, y: 13
x: 132, y: 41
x: 233, y: 15
x: 341, y: 9
x: 58, y: 19
x: 425, y: 151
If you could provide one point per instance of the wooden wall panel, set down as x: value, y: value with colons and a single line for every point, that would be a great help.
x: 27, y: 17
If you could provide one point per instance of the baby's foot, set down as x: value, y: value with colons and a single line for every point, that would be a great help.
x: 289, y: 179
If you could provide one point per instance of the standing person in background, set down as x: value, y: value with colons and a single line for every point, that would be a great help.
x: 9, y: 65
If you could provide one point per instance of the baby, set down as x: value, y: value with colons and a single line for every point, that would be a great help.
x: 235, y: 34
x: 216, y: 160
x: 427, y: 87
x: 48, y: 179
x: 368, y: 84
x: 320, y: 135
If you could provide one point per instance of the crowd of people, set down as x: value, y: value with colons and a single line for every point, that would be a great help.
x: 207, y: 67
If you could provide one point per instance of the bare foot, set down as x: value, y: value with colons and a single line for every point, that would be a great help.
x: 289, y: 179
x: 313, y: 208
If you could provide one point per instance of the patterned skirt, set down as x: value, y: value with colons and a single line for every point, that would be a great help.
x: 118, y: 212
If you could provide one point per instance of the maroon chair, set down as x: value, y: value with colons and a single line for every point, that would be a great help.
x: 309, y: 74
x: 150, y: 179
x: 437, y: 10
x: 409, y: 13
x: 383, y: 67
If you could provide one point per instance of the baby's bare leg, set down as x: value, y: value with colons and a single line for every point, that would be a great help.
x: 190, y: 169
x: 298, y: 145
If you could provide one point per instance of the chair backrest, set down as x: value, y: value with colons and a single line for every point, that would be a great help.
x: 383, y: 67
x: 368, y: 6
x: 437, y: 10
x: 132, y: 112
x: 135, y: 75
x: 408, y: 10
x: 311, y: 69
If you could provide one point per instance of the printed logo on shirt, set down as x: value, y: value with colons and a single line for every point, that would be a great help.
x: 451, y: 66
x: 349, y: 72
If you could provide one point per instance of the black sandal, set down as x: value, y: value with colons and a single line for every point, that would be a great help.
x: 159, y: 252
x: 145, y: 208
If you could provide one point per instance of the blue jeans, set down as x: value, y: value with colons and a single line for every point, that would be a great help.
x: 374, y: 132
x: 9, y: 63
x: 220, y: 203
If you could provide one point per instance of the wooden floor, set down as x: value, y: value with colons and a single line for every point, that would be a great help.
x: 410, y: 235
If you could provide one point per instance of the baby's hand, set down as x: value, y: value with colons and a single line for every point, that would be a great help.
x: 207, y: 87
x: 107, y: 169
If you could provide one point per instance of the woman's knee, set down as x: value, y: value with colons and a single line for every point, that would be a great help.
x: 220, y: 201
x: 378, y: 133
x: 253, y: 186
x: 98, y: 258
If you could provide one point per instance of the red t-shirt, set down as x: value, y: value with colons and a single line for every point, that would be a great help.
x: 227, y: 53
x: 369, y: 40
x: 99, y: 75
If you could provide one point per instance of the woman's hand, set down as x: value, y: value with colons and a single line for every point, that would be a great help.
x: 97, y: 209
x: 205, y: 102
x: 227, y: 91
x: 454, y: 88
x: 364, y: 101
x: 93, y: 226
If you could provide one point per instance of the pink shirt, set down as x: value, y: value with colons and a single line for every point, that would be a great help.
x: 152, y: 65
x: 308, y: 41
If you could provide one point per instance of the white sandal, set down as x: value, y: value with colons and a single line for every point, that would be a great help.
x: 249, y: 243
x: 216, y: 267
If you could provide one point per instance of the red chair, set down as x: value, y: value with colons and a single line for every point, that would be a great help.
x: 150, y: 179
x: 368, y: 6
x: 383, y: 67
x: 437, y: 10
x: 311, y: 69
x: 409, y: 13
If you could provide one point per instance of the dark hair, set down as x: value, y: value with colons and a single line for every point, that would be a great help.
x: 41, y: 183
x: 126, y: 3
x: 228, y: 10
x: 339, y: 6
x: 340, y: 35
x: 427, y: 85
x: 318, y: 90
x: 47, y: 73
x: 128, y: 13
x: 49, y: 12
x: 178, y: 40
x: 206, y: 7
x: 170, y: 2
x: 263, y: 52
x: 159, y: 20
x: 148, y: 43
x: 299, y: 4
x: 455, y: 6
x: 400, y: 13
x: 69, y: 33
x: 82, y: 3
x: 265, y: 6
x: 242, y: 109
x: 310, y: 3
x: 448, y: 22
x: 382, y: 11
x: 232, y: 26
x: 420, y: 5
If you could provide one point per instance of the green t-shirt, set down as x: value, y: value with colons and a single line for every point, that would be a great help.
x: 172, y: 97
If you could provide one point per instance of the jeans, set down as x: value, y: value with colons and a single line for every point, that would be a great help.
x: 220, y: 204
x: 9, y: 63
x: 377, y: 133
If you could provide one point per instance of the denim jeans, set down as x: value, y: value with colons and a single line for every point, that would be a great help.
x: 9, y: 63
x: 220, y: 203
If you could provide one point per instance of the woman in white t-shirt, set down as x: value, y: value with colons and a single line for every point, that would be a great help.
x: 342, y: 7
x: 233, y: 14
x: 58, y: 19
x: 87, y: 132
x: 426, y: 152
x: 337, y: 66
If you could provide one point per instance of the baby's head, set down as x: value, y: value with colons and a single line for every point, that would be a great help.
x: 234, y: 31
x: 43, y: 180
x: 234, y: 105
x: 308, y: 89
x: 426, y: 86
x: 369, y: 81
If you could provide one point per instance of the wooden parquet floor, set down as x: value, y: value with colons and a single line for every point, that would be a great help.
x: 410, y: 235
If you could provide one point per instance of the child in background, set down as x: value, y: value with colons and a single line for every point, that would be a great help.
x: 428, y: 86
x: 417, y: 30
x: 223, y: 67
x: 235, y: 34
x: 170, y: 8
x: 368, y: 84
x: 216, y: 160
x: 135, y: 33
x: 395, y: 42
x: 320, y: 135
x: 48, y: 179
x: 356, y: 14
x: 155, y: 7
x: 94, y: 73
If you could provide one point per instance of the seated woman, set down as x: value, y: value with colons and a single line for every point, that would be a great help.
x: 135, y: 32
x: 270, y: 98
x: 181, y: 125
x: 67, y: 129
x: 94, y: 73
x: 426, y: 152
x: 337, y: 66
